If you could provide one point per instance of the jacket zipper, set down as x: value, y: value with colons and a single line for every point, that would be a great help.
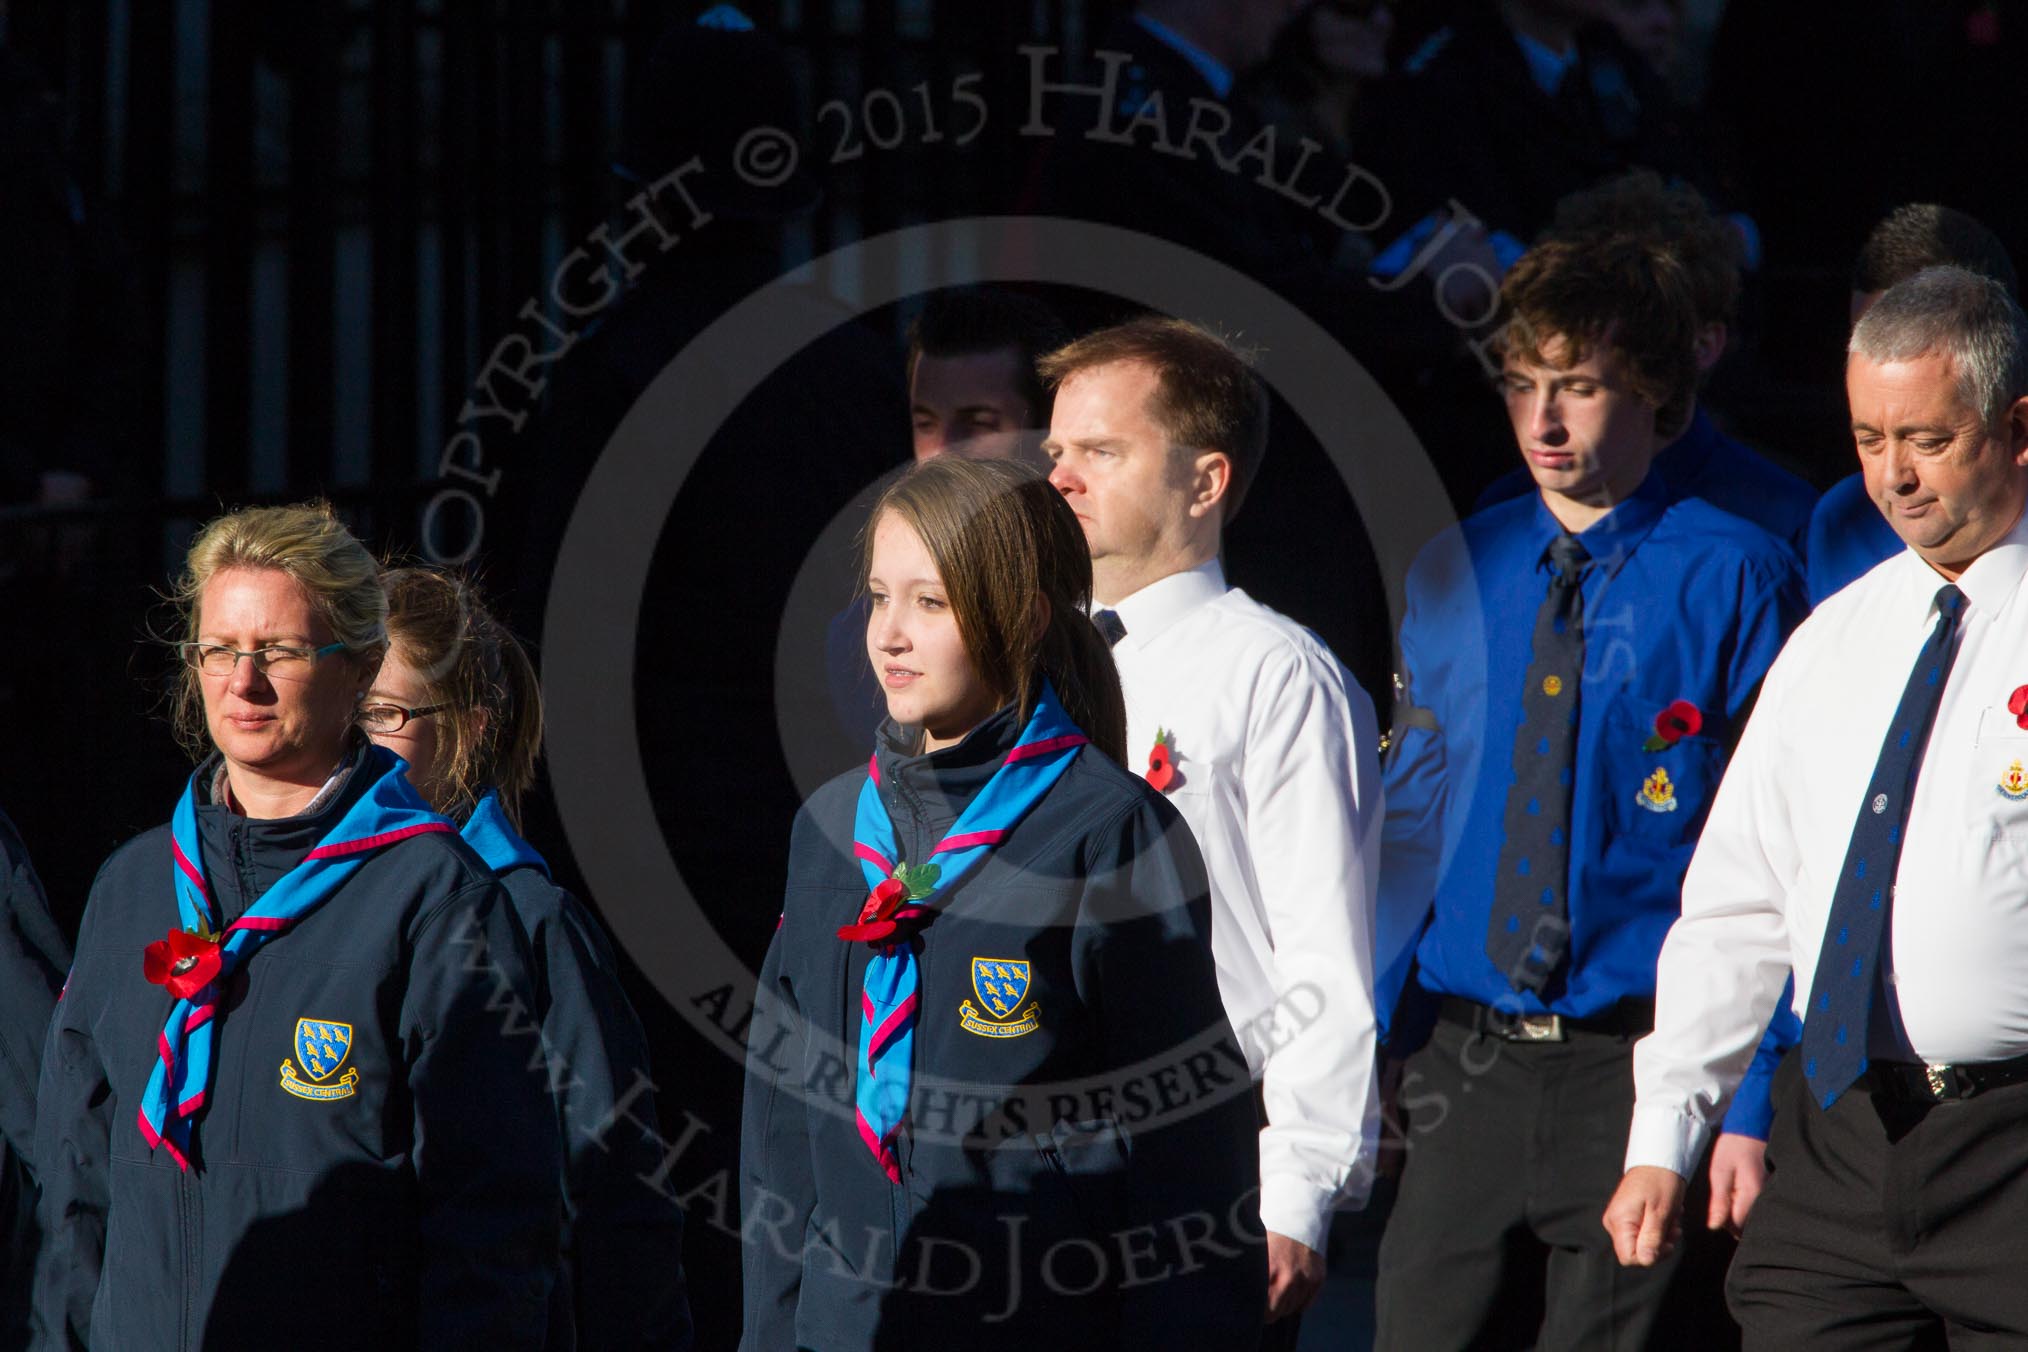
x: 189, y: 1224
x: 242, y: 859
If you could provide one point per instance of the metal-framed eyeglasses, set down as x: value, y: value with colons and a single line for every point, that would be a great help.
x: 275, y: 659
x: 383, y: 718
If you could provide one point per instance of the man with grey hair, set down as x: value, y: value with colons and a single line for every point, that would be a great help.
x: 1872, y: 833
x: 1848, y: 534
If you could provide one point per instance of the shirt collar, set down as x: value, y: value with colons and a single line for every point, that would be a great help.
x: 1166, y: 600
x: 222, y: 795
x: 1214, y: 72
x: 1994, y: 577
x: 1683, y: 459
x: 1612, y: 539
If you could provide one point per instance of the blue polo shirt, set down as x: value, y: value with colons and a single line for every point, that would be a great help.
x: 1848, y: 537
x: 1683, y: 602
x: 1730, y: 475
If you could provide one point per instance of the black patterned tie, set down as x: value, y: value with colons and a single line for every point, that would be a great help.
x: 1529, y: 932
x: 1848, y: 965
x: 1110, y: 626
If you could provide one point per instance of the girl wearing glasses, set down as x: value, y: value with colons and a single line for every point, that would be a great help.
x: 992, y: 1098
x: 277, y: 1107
x: 456, y: 697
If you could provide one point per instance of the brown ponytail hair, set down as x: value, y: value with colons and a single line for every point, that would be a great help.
x: 493, y: 730
x: 1016, y: 567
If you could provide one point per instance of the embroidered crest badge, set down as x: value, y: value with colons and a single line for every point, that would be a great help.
x: 1001, y: 985
x: 322, y: 1047
x: 1552, y: 686
x: 2013, y: 784
x: 1658, y: 792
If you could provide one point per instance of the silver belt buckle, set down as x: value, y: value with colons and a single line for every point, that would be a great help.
x: 1537, y: 1028
x: 1946, y: 1082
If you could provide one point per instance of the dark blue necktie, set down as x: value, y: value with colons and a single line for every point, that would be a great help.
x: 1848, y: 965
x: 1110, y: 626
x: 1529, y: 932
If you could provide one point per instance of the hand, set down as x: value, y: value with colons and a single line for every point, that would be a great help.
x: 1738, y: 1173
x: 1295, y: 1276
x: 1645, y: 1217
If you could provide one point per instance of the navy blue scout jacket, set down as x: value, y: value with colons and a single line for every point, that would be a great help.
x: 421, y: 1210
x: 622, y: 1281
x: 1091, y: 1183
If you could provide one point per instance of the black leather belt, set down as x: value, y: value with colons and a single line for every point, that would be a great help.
x: 1628, y: 1018
x: 1915, y: 1083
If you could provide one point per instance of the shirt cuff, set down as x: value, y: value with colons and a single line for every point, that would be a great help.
x: 1300, y: 1210
x: 1666, y: 1139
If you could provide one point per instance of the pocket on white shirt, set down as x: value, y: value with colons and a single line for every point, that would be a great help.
x: 1998, y: 795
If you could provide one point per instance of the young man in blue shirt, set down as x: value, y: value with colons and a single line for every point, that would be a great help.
x: 1699, y: 460
x: 1575, y: 663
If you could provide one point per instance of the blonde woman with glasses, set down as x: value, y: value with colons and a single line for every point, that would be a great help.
x: 281, y: 1105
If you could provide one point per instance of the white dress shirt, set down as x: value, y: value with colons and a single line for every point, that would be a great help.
x: 1275, y: 752
x: 1758, y: 894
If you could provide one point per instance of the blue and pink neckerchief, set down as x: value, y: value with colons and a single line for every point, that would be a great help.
x: 890, y: 997
x: 389, y: 811
x: 493, y: 838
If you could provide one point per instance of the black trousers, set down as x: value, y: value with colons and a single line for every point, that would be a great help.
x: 1496, y: 1239
x: 1888, y: 1225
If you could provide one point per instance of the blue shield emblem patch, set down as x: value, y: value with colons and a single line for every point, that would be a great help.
x: 1001, y: 985
x: 322, y: 1046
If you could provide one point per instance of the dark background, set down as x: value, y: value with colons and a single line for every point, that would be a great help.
x: 260, y: 252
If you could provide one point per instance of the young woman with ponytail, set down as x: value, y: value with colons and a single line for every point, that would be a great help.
x: 992, y: 1099
x: 456, y: 697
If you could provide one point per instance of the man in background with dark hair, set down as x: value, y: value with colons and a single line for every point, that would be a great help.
x: 1699, y: 461
x: 972, y: 387
x: 1848, y: 533
x: 1260, y: 738
x: 1573, y: 665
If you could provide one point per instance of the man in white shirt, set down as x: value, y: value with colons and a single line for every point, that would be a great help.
x: 1259, y: 737
x: 1899, y: 1155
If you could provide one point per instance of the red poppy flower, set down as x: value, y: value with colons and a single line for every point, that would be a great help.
x: 1161, y: 765
x: 877, y: 916
x: 184, y: 962
x: 1679, y: 720
x: 2017, y: 705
